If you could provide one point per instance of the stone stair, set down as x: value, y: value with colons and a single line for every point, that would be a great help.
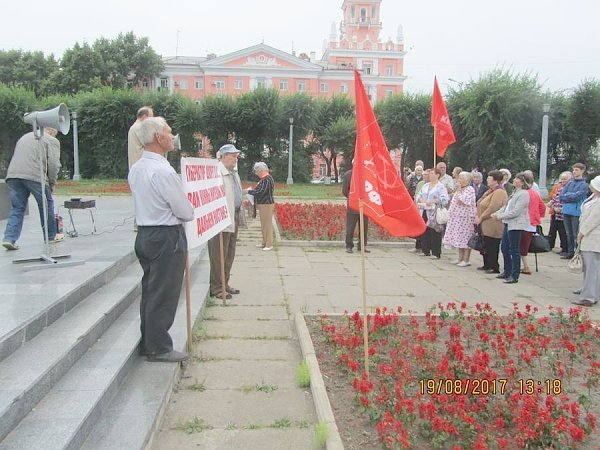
x: 70, y: 375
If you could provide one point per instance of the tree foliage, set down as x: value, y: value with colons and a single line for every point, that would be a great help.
x: 496, y: 121
x: 26, y: 69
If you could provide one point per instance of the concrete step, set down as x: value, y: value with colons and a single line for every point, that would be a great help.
x: 52, y: 294
x: 33, y: 370
x: 131, y: 419
x: 78, y: 385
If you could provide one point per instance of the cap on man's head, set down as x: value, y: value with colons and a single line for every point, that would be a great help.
x: 226, y: 149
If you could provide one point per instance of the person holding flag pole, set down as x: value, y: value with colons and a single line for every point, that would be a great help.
x: 376, y: 189
x: 443, y: 135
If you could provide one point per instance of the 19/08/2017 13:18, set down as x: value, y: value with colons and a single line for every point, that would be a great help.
x: 482, y: 386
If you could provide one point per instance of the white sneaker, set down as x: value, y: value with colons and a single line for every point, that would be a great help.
x: 267, y: 249
x: 259, y: 245
x: 59, y: 237
x: 463, y: 264
x: 412, y: 250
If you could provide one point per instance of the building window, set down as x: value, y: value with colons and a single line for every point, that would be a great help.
x: 322, y: 169
x: 144, y: 83
x: 219, y: 84
x: 183, y: 85
x: 367, y: 68
x: 324, y: 87
x: 283, y: 85
x: 301, y: 86
x: 389, y: 92
x: 344, y: 88
x: 261, y: 83
x: 239, y: 84
x: 199, y: 84
x: 164, y: 82
x: 389, y: 70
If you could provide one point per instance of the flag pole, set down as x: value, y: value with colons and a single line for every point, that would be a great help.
x: 188, y: 303
x: 361, y: 233
x: 222, y: 258
x: 434, y: 149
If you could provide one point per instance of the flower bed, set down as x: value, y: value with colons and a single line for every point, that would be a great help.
x: 467, y: 378
x: 319, y: 221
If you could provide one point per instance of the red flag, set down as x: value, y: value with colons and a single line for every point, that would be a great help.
x: 444, y: 136
x: 375, y: 179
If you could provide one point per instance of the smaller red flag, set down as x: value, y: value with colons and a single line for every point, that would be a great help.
x: 440, y: 121
x: 375, y: 179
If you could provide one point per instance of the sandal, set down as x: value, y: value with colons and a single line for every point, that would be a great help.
x: 526, y: 271
x: 220, y: 295
x: 585, y: 302
x: 232, y: 290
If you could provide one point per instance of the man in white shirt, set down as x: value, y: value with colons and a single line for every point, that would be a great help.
x: 161, y: 208
x: 445, y: 179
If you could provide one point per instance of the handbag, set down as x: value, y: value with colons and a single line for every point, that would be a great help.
x: 576, y: 263
x: 539, y: 242
x: 476, y: 241
x: 441, y: 215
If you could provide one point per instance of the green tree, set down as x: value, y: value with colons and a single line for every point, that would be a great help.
x: 497, y: 122
x: 405, y: 124
x: 14, y: 102
x: 26, y: 69
x: 257, y: 118
x: 584, y: 121
x: 217, y: 119
x: 119, y: 63
x: 328, y: 126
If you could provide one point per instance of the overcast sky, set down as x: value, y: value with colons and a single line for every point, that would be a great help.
x: 557, y: 40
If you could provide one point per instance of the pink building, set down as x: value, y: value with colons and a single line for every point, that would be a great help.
x: 357, y: 46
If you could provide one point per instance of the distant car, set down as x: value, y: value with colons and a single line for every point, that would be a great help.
x: 321, y: 180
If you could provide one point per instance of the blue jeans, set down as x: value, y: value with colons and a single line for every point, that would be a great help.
x: 572, y: 228
x: 19, y: 190
x: 511, y: 242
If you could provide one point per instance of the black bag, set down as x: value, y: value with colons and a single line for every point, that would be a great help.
x: 476, y: 241
x: 539, y: 242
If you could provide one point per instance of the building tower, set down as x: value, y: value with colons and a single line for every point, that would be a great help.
x: 360, y: 47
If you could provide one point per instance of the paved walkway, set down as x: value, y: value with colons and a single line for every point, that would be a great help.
x: 245, y: 360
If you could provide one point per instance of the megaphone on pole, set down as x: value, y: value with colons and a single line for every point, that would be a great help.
x: 57, y: 118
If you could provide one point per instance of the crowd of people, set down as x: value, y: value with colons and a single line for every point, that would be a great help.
x: 506, y: 213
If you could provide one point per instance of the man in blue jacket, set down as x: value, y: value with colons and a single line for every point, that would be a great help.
x: 572, y: 196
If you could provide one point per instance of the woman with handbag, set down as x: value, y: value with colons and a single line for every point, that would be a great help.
x: 432, y: 196
x: 537, y: 210
x: 515, y: 216
x: 461, y: 217
x: 557, y: 224
x: 491, y: 227
x: 588, y: 240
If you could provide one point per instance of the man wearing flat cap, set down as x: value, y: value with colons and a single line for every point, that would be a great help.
x: 228, y: 157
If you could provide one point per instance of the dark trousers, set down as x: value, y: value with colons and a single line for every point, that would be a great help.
x: 431, y: 240
x: 352, y: 219
x: 491, y: 249
x: 214, y: 254
x: 511, y: 252
x: 572, y: 228
x: 161, y: 251
x: 558, y: 227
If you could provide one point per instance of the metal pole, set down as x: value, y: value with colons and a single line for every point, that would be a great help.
x: 290, y: 179
x: 544, y: 153
x: 76, y: 176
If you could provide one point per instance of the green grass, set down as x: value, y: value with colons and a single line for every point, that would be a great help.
x: 321, y: 434
x: 116, y: 186
x: 303, y: 375
x: 196, y: 425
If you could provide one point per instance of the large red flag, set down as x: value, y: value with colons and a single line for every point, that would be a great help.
x: 375, y: 179
x: 444, y: 136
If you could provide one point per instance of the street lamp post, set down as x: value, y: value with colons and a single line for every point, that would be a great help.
x: 290, y: 179
x: 76, y: 175
x: 544, y: 152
